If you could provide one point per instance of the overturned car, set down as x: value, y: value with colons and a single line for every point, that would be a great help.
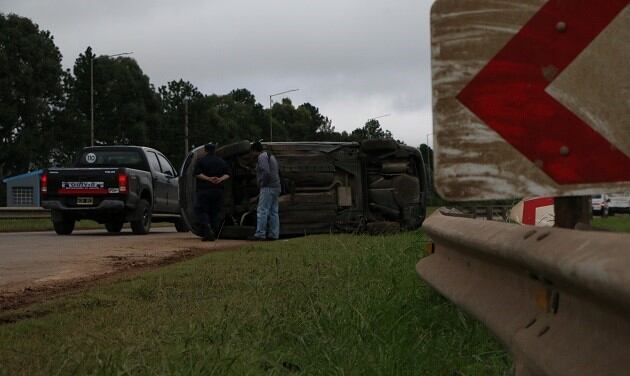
x: 375, y: 186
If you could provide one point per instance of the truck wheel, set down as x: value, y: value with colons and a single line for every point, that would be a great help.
x: 181, y: 226
x: 65, y: 226
x: 114, y: 226
x: 142, y: 225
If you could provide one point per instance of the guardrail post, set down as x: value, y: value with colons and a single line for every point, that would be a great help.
x: 569, y: 211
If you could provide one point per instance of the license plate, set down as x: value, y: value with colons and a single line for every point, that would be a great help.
x: 85, y: 200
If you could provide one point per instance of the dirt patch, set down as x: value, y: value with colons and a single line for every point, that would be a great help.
x: 124, y: 267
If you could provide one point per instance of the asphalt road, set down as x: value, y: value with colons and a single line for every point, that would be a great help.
x: 35, y: 259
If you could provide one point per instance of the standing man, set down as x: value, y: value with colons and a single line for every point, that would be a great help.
x: 210, y: 172
x: 268, y: 177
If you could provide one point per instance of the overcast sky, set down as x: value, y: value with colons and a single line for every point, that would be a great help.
x: 354, y: 59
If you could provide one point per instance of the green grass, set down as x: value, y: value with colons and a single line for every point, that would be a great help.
x: 618, y: 222
x: 39, y: 224
x: 324, y: 305
x: 45, y: 224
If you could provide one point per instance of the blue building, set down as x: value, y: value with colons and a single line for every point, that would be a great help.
x: 23, y: 190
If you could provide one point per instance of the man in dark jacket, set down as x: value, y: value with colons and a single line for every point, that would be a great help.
x: 268, y: 177
x: 210, y: 172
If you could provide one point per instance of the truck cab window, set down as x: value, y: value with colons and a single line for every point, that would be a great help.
x: 167, y: 169
x: 153, y: 161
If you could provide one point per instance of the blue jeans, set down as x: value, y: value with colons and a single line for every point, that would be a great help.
x: 267, y: 219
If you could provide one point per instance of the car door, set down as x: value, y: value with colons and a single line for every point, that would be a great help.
x: 172, y: 187
x: 160, y: 183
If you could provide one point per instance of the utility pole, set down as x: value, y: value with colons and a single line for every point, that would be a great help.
x: 92, y: 99
x: 92, y: 91
x: 186, y: 127
x: 270, y: 116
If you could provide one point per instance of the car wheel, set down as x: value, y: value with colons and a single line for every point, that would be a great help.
x: 114, y: 226
x: 237, y: 148
x: 142, y: 224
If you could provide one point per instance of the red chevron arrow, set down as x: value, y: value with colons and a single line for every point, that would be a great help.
x: 509, y: 94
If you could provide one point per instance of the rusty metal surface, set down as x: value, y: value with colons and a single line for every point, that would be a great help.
x: 558, y: 299
x: 473, y: 162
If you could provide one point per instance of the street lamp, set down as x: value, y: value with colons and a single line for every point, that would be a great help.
x: 270, y: 116
x: 429, y: 153
x: 92, y: 92
x: 380, y: 116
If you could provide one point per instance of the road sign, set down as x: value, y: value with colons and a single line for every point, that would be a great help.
x: 531, y: 98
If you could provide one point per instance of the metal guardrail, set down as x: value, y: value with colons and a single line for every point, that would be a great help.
x: 23, y: 213
x: 491, y: 213
x: 559, y: 300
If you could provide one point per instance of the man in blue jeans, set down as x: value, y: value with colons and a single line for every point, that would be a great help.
x: 268, y: 177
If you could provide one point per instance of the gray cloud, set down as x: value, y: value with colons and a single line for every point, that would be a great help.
x: 354, y: 59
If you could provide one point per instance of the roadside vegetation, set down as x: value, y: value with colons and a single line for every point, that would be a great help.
x: 45, y: 224
x: 39, y: 224
x: 341, y: 304
x: 619, y: 222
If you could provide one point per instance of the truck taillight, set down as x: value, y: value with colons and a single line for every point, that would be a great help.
x: 43, y: 184
x: 123, y: 182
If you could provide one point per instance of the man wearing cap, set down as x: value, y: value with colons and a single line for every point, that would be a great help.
x: 268, y: 177
x: 210, y: 173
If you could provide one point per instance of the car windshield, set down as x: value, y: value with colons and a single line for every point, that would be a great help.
x: 111, y: 158
x: 597, y: 196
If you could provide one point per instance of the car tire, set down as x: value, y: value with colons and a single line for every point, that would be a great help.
x: 65, y: 226
x: 379, y: 145
x: 114, y: 227
x: 181, y: 226
x: 142, y: 225
x: 237, y: 148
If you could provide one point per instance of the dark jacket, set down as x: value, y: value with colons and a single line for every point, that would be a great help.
x: 210, y: 165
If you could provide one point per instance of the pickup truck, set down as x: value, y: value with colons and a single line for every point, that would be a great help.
x: 113, y: 185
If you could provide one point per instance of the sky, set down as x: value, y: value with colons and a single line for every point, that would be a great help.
x: 354, y: 59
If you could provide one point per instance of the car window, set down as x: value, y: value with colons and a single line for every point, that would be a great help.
x: 166, y: 165
x: 153, y: 161
x: 110, y: 158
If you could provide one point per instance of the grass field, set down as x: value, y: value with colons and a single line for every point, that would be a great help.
x: 323, y: 305
x: 615, y: 223
x: 45, y: 224
x: 39, y: 224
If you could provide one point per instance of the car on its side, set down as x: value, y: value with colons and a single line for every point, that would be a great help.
x: 375, y: 186
x: 113, y: 185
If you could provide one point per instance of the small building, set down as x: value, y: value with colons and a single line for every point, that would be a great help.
x: 23, y: 190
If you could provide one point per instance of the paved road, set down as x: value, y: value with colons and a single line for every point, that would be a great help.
x: 36, y: 259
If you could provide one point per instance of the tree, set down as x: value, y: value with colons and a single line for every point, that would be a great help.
x: 125, y: 104
x: 371, y: 130
x: 168, y: 135
x: 30, y: 89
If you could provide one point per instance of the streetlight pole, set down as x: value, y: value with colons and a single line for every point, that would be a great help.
x: 185, y: 127
x: 270, y: 115
x: 378, y: 117
x: 429, y: 152
x: 92, y: 92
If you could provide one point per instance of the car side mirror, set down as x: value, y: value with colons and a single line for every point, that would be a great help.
x: 168, y: 173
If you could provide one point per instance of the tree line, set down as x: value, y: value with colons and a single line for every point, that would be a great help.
x: 45, y: 110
